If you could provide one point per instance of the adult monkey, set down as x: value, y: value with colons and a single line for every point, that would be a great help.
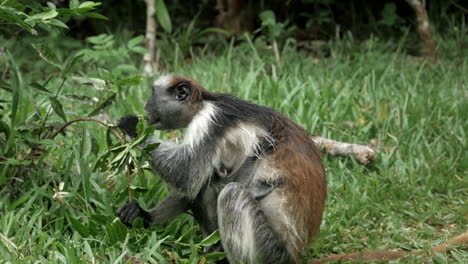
x: 242, y: 168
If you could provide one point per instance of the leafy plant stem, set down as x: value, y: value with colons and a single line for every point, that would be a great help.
x: 129, y: 179
x: 110, y: 127
x: 50, y: 108
x: 113, y: 130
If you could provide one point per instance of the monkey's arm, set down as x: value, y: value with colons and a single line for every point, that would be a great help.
x: 167, y: 209
x: 184, y: 168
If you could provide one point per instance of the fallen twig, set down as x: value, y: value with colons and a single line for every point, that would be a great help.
x: 363, y: 154
x: 386, y: 255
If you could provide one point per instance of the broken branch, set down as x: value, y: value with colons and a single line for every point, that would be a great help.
x: 362, y: 153
x: 387, y: 255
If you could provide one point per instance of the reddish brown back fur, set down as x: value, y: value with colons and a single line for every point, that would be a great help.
x: 298, y: 156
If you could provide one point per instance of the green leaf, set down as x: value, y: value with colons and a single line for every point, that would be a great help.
x: 149, y: 130
x: 389, y: 15
x: 86, y: 143
x: 78, y: 226
x: 87, y: 4
x: 97, y: 83
x: 268, y: 18
x: 15, y: 87
x: 100, y: 39
x: 382, y: 111
x: 58, y: 109
x: 134, y: 80
x: 187, y: 234
x: 151, y: 147
x: 48, y: 80
x: 51, y: 5
x: 120, y: 157
x: 138, y: 223
x: 118, y: 148
x: 109, y: 142
x: 74, y: 64
x: 58, y: 23
x: 103, y: 105
x: 116, y: 231
x: 5, y: 129
x: 214, y: 256
x: 42, y: 16
x: 101, y: 219
x: 106, y: 74
x: 5, y: 86
x: 139, y: 50
x: 163, y: 16
x: 213, y: 30
x: 100, y: 161
x: 74, y: 4
x: 210, y: 240
x: 135, y: 41
x: 39, y: 87
x: 95, y: 15
x: 14, y: 16
x: 172, y: 228
x: 83, y: 99
x: 47, y: 54
x: 19, y: 201
x: 15, y: 162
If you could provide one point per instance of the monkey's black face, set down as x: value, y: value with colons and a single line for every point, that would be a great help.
x: 170, y: 107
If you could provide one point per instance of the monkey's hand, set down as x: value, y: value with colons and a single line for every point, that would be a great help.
x: 131, y: 211
x: 128, y: 124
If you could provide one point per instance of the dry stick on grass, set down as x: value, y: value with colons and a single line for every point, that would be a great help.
x: 362, y: 153
x: 112, y: 129
x: 424, y: 29
x: 150, y: 38
x: 386, y: 255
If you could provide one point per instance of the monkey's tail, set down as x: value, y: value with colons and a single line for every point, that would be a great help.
x: 390, y: 255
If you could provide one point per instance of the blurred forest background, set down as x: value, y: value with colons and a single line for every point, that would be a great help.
x: 392, y: 75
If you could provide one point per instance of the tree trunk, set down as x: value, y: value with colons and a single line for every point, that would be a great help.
x: 235, y: 16
x: 424, y: 29
x: 150, y: 38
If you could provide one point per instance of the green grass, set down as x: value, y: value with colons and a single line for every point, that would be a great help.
x: 412, y: 197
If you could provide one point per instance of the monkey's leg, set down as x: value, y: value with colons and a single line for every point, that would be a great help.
x: 167, y: 209
x: 246, y: 234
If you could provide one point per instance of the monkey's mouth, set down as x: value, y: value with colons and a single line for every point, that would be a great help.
x: 153, y: 120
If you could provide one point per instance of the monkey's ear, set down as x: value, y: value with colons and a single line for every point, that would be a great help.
x: 182, y: 92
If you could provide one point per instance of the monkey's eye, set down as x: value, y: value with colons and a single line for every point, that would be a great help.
x: 182, y: 92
